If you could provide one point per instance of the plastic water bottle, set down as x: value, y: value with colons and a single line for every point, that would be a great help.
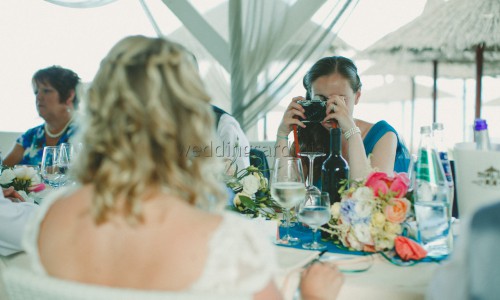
x: 438, y: 133
x: 432, y: 203
x: 481, y: 136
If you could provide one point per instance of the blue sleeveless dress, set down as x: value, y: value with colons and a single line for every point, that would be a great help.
x: 402, y: 161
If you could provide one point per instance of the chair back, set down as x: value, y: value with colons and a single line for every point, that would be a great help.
x: 258, y: 159
x: 25, y: 285
x: 482, y: 254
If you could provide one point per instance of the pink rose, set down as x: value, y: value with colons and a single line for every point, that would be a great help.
x: 378, y: 181
x: 396, y: 210
x: 37, y: 188
x: 408, y: 249
x: 400, y: 184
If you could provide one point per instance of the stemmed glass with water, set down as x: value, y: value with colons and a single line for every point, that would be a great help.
x: 288, y: 189
x: 314, y: 212
x: 54, y: 166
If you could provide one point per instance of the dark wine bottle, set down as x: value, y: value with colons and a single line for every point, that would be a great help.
x: 335, y: 168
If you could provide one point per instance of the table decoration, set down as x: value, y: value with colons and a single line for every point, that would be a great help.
x: 25, y: 179
x: 252, y: 195
x: 371, y: 214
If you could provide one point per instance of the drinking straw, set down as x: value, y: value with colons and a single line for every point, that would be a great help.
x: 296, y: 140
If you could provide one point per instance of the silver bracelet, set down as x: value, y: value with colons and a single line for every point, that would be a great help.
x: 351, y: 132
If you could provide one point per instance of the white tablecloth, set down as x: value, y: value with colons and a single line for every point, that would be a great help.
x: 382, y: 281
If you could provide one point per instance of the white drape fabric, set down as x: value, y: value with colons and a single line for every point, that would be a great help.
x: 81, y: 3
x: 272, y: 44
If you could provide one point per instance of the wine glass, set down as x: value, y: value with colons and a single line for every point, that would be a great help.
x: 288, y: 189
x: 310, y: 188
x: 314, y: 212
x: 54, y: 166
x: 67, y: 150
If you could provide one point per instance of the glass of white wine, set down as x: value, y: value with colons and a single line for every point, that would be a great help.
x: 288, y: 189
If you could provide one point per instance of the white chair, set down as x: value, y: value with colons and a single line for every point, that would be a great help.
x: 7, y: 140
x: 25, y: 285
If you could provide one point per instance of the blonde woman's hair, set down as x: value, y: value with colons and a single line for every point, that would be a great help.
x: 147, y: 108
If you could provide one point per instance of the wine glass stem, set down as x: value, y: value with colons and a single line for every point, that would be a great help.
x: 310, y: 177
x: 287, y: 222
x: 315, y: 236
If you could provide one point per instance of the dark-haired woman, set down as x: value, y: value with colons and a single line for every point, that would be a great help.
x: 55, y: 91
x: 335, y: 80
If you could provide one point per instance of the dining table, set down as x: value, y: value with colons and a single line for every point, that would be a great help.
x: 366, y: 276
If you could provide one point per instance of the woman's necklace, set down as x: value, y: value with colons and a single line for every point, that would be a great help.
x: 56, y: 135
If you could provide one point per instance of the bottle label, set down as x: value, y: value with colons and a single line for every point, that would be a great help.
x: 443, y: 156
x: 422, y: 169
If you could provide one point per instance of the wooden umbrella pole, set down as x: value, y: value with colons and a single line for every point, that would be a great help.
x: 434, y: 90
x: 479, y: 76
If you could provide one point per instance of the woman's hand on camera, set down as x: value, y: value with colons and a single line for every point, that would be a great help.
x: 321, y: 281
x: 337, y: 109
x: 291, y: 117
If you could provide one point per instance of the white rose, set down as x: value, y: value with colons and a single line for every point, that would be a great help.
x: 363, y: 194
x: 335, y: 210
x: 363, y: 233
x: 378, y: 220
x: 24, y: 172
x: 250, y: 184
x: 392, y: 228
x: 383, y: 244
x: 261, y: 179
x: 363, y: 208
x: 353, y: 241
x: 7, y: 176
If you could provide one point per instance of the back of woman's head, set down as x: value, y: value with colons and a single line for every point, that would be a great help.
x: 332, y: 65
x: 146, y: 110
x: 61, y: 79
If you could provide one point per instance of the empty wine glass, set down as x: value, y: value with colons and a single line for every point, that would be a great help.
x: 310, y: 188
x: 288, y: 189
x: 314, y: 212
x: 67, y: 150
x: 54, y: 167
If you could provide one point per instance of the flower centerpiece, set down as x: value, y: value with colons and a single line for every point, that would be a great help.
x: 370, y: 213
x: 24, y: 179
x: 251, y: 188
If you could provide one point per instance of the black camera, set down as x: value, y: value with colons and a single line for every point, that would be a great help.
x: 315, y: 110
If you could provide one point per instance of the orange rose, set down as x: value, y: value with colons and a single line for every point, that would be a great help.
x: 396, y: 210
x: 408, y: 249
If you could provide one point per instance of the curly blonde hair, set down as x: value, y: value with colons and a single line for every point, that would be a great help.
x: 146, y: 109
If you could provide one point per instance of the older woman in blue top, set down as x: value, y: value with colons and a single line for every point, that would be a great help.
x: 335, y: 80
x: 55, y: 91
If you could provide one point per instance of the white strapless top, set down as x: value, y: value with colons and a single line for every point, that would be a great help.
x: 241, y: 261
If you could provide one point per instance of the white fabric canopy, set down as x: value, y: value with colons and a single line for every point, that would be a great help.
x: 80, y: 3
x: 261, y: 51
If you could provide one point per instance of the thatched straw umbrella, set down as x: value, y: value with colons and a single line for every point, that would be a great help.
x: 455, y: 31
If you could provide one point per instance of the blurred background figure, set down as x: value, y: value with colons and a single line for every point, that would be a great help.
x: 56, y: 100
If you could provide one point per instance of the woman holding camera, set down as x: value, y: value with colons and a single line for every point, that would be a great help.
x: 335, y: 80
